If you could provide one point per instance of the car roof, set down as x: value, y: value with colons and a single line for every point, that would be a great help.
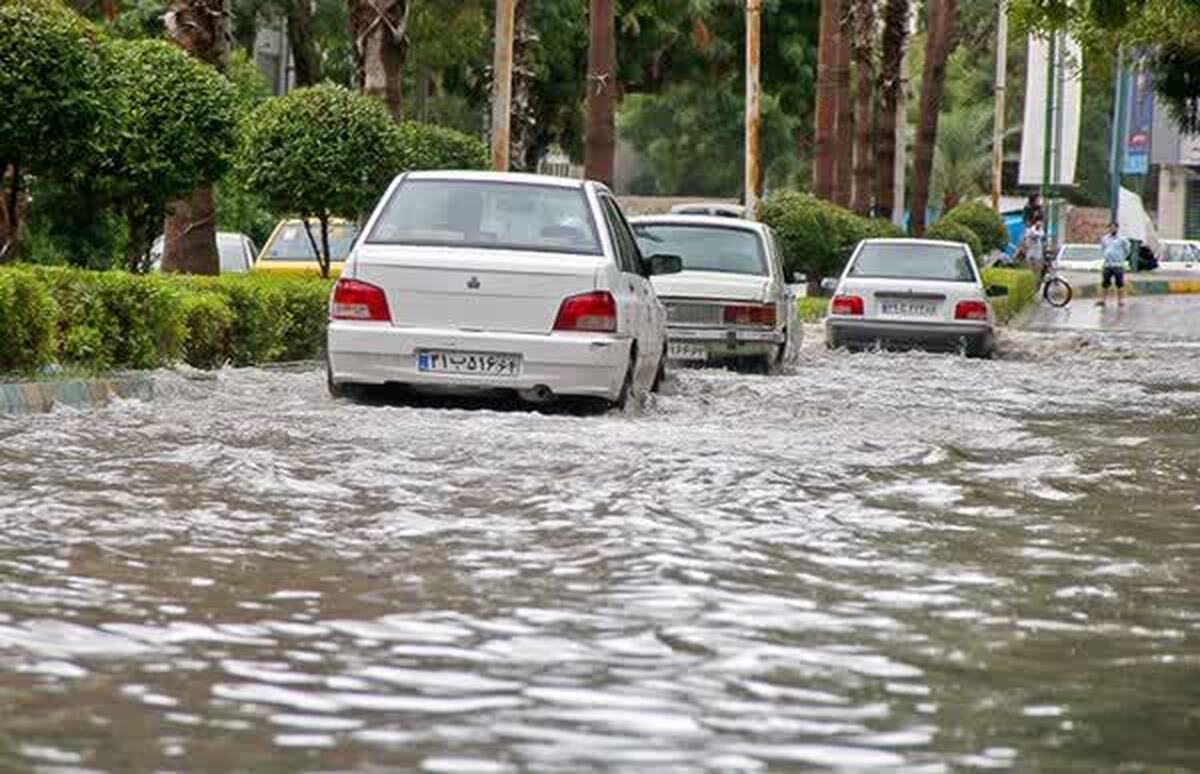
x: 714, y: 221
x: 498, y: 177
x: 1089, y: 245
x: 912, y: 241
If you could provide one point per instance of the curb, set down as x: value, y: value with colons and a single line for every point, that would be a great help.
x: 1146, y: 288
x: 40, y: 397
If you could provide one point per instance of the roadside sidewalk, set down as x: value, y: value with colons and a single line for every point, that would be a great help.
x: 38, y: 397
x: 1145, y: 283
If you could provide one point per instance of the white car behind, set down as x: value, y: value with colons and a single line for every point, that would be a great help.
x: 912, y: 293
x: 1079, y: 257
x: 485, y: 281
x: 731, y: 303
x: 1179, y: 255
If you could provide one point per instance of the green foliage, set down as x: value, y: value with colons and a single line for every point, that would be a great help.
x: 1022, y: 287
x: 951, y: 231
x: 691, y: 138
x: 817, y: 237
x: 48, y: 71
x: 27, y: 322
x: 811, y: 309
x: 99, y: 321
x: 985, y: 222
x: 418, y: 146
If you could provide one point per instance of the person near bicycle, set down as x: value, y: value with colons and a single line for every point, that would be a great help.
x: 1033, y: 245
x: 1115, y: 250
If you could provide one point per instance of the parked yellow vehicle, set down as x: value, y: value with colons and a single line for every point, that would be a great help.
x: 289, y: 249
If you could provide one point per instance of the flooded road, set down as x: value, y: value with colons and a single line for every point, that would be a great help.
x: 880, y: 561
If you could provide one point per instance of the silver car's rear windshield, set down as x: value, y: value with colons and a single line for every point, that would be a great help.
x: 943, y: 263
x: 490, y: 215
x: 1081, y: 253
x: 705, y: 248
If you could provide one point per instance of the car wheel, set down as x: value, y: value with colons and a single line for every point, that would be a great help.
x: 627, y: 386
x: 660, y: 376
x: 341, y: 390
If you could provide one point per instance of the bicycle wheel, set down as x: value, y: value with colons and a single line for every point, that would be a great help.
x: 1057, y: 292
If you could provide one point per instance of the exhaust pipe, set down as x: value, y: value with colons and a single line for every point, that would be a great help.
x: 539, y: 394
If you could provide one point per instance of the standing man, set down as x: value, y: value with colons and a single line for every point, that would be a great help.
x: 1033, y: 210
x: 1115, y: 250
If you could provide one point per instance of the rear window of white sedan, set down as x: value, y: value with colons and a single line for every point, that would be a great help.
x: 481, y: 214
x: 943, y: 263
x: 705, y: 248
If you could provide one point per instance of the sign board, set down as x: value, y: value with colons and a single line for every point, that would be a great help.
x: 1139, y: 121
x: 1064, y: 111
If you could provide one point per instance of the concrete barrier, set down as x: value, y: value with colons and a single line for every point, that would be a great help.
x: 37, y: 397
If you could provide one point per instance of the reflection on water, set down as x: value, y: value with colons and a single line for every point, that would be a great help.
x: 878, y: 561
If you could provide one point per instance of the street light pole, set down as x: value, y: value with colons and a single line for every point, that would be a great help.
x: 502, y: 72
x: 753, y: 103
x: 1118, y: 131
x: 1001, y: 90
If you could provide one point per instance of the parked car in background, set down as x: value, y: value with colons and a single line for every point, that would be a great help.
x: 912, y: 293
x: 1079, y: 257
x: 528, y: 284
x: 731, y: 303
x: 237, y: 252
x: 718, y: 209
x: 290, y: 249
x: 1179, y: 255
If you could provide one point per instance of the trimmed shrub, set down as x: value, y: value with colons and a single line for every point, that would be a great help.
x: 1022, y: 287
x: 306, y: 302
x: 950, y: 231
x: 984, y: 221
x: 419, y: 146
x: 817, y: 237
x: 27, y: 322
x: 210, y: 324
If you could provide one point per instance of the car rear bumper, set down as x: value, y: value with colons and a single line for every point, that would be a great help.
x: 727, y: 342
x: 592, y: 365
x: 939, y: 337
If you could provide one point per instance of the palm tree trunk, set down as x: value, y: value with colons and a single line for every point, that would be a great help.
x: 190, y: 230
x: 523, y: 125
x: 379, y: 32
x: 824, y: 134
x: 895, y: 32
x: 601, y: 92
x: 864, y: 67
x: 305, y: 54
x: 933, y: 81
x: 844, y: 149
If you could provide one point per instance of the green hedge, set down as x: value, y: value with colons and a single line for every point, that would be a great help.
x: 1022, y: 289
x: 985, y: 222
x: 956, y: 232
x: 100, y: 321
x: 817, y: 237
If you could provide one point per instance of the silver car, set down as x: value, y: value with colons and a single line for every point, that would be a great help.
x: 237, y: 252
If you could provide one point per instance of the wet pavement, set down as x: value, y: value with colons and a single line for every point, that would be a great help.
x: 879, y: 561
x: 1158, y: 318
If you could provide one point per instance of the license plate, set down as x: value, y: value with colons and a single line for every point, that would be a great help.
x: 908, y: 308
x: 686, y: 352
x: 476, y: 363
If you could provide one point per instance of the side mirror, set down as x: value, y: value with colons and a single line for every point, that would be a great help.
x: 657, y: 265
x: 996, y: 291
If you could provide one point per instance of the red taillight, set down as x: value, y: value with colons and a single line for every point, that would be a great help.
x: 750, y: 315
x: 849, y: 305
x: 971, y: 310
x: 354, y: 300
x: 589, y: 312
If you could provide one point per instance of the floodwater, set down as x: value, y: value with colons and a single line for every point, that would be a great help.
x: 879, y: 561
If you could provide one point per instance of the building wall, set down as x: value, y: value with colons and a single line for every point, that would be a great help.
x: 1172, y: 200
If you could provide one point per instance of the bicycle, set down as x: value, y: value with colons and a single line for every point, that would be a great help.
x: 1056, y: 290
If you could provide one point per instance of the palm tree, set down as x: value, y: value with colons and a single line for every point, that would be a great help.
x: 890, y: 82
x: 379, y: 33
x: 864, y: 65
x: 825, y: 132
x: 190, y: 230
x: 933, y: 82
x: 962, y: 163
x: 601, y: 92
x: 844, y: 148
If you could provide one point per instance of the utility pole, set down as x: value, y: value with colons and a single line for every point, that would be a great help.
x: 1118, y: 132
x: 502, y: 72
x: 900, y: 171
x: 601, y: 93
x: 1001, y: 90
x: 753, y: 103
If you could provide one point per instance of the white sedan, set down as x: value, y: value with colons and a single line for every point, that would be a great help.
x: 914, y: 293
x: 731, y: 303
x: 485, y: 281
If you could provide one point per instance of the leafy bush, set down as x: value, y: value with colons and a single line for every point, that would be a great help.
x: 27, y: 322
x: 984, y: 221
x: 210, y: 325
x: 817, y: 237
x: 1022, y: 287
x: 419, y: 146
x: 950, y: 231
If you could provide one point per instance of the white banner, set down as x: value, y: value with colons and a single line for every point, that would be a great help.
x: 1068, y: 107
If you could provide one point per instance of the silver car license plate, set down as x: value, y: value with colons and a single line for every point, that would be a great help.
x: 908, y: 308
x: 475, y: 363
x: 679, y: 351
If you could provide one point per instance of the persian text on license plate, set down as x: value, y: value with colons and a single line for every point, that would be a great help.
x: 477, y: 363
x: 908, y: 308
x: 686, y: 352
